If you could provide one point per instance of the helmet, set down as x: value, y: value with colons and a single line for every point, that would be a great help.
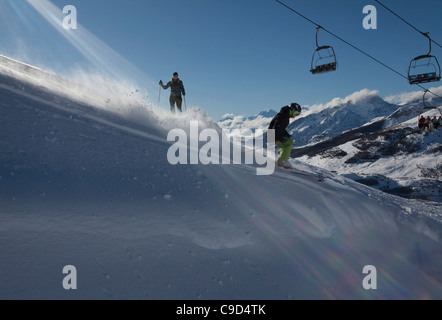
x: 295, y: 109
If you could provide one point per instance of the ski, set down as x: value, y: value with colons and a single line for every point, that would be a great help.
x: 318, y: 177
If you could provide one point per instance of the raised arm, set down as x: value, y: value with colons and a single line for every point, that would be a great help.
x: 165, y: 86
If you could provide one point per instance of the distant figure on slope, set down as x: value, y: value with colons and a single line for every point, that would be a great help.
x: 421, y: 123
x: 435, y: 123
x: 282, y: 138
x: 176, y: 88
x: 429, y: 124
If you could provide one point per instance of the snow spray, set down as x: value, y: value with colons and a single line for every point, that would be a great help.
x: 209, y: 146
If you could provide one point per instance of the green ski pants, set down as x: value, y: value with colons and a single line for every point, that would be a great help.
x: 286, y: 148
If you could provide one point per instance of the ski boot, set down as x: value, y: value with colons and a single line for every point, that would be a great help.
x: 283, y: 164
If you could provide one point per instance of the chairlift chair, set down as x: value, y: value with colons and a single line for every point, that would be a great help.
x: 424, y: 68
x: 426, y: 106
x: 324, y: 58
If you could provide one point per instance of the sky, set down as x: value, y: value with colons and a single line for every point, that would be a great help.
x: 233, y: 56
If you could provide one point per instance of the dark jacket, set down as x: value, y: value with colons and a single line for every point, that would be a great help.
x: 280, y: 123
x: 176, y: 87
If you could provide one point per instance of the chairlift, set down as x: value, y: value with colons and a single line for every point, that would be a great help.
x: 424, y: 68
x: 324, y: 58
x: 426, y: 106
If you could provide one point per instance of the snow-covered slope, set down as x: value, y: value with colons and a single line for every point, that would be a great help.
x: 83, y: 186
x: 400, y: 160
x: 390, y: 153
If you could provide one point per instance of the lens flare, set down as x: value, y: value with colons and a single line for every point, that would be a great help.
x: 92, y: 48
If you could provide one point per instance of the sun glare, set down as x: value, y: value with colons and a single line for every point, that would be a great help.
x: 91, y: 47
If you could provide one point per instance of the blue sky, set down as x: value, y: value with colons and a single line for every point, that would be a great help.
x: 234, y: 56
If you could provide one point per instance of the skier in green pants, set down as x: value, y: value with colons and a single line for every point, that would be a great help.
x: 282, y: 138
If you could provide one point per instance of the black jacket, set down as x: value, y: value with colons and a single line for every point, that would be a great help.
x: 176, y: 87
x: 280, y: 123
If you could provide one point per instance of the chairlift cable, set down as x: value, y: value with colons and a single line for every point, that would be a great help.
x: 346, y: 42
x: 422, y: 33
x: 353, y: 46
x: 299, y: 14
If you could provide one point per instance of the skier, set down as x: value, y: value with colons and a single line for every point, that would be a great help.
x: 429, y: 123
x: 176, y: 88
x: 435, y: 123
x: 282, y: 138
x: 421, y: 123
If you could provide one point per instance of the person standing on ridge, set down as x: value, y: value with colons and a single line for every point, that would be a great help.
x: 176, y: 89
x: 282, y: 138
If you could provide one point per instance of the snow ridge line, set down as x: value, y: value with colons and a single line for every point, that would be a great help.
x: 85, y: 115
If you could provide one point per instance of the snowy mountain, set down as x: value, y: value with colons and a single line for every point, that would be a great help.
x: 89, y: 186
x: 399, y: 159
x: 320, y: 122
x: 262, y: 120
x: 339, y: 116
x: 372, y: 141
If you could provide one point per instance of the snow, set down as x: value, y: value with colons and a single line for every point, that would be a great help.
x: 88, y: 184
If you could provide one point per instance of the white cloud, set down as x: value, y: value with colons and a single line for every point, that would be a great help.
x: 354, y: 98
x: 408, y: 97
